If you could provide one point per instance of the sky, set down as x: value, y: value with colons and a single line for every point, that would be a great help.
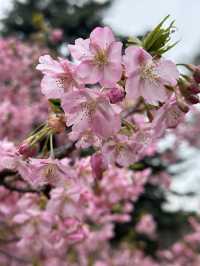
x: 137, y: 16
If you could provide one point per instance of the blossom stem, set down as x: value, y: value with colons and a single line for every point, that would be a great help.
x: 51, y: 146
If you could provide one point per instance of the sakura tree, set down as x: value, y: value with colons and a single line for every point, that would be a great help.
x: 80, y: 173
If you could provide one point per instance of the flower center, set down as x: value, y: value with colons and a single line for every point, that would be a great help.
x: 119, y: 147
x: 60, y: 83
x: 148, y: 72
x: 100, y: 58
x: 50, y: 171
x: 89, y: 107
x: 64, y: 82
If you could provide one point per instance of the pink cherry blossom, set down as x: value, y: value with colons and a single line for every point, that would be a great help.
x: 87, y: 109
x: 147, y: 77
x: 100, y: 57
x: 126, y: 150
x: 59, y: 76
x: 38, y: 172
x: 168, y: 116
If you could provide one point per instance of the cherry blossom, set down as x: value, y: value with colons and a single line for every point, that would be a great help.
x: 59, y: 76
x: 147, y: 76
x: 100, y: 57
x: 87, y: 109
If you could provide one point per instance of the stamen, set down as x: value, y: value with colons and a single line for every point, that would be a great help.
x: 101, y: 58
x: 50, y: 171
x: 89, y: 108
x: 60, y: 83
x: 148, y: 72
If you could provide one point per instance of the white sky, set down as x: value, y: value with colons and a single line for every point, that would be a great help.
x: 137, y: 16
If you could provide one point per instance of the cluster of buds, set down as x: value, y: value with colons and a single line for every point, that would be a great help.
x: 189, y: 85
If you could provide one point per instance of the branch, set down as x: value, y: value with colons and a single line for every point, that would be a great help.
x: 63, y: 151
x: 4, y: 182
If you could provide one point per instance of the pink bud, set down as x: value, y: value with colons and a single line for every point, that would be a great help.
x: 116, y: 94
x: 56, y: 36
x: 27, y: 150
x: 98, y: 165
x: 196, y: 75
x: 194, y: 88
x: 192, y: 99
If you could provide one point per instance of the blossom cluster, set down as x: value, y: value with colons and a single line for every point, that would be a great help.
x: 104, y: 85
x: 109, y: 105
x: 22, y: 104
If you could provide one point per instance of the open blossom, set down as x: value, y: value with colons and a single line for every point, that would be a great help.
x: 8, y: 153
x: 87, y: 109
x: 147, y: 77
x: 41, y: 171
x: 121, y: 150
x: 126, y: 150
x: 100, y: 57
x: 59, y: 76
x: 168, y: 116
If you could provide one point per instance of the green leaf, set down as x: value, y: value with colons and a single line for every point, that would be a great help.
x: 157, y: 42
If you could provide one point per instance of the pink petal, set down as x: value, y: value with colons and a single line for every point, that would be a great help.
x: 168, y: 72
x: 153, y: 92
x: 102, y: 37
x: 105, y: 122
x: 111, y: 75
x: 115, y: 53
x: 49, y: 66
x: 80, y: 50
x: 89, y: 72
x: 71, y: 101
x: 81, y: 123
x: 132, y: 87
x: 50, y: 87
x: 133, y: 58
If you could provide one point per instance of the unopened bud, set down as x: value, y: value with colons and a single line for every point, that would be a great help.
x: 98, y: 165
x: 192, y: 99
x: 194, y: 88
x: 196, y: 75
x: 56, y: 36
x: 56, y: 121
x: 116, y: 94
x: 27, y: 150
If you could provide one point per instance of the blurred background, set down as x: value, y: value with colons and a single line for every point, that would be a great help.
x: 52, y: 24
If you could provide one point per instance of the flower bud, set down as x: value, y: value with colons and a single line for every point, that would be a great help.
x: 196, y: 75
x: 98, y: 165
x: 56, y: 36
x: 194, y: 88
x: 116, y: 94
x: 27, y: 150
x: 192, y: 99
